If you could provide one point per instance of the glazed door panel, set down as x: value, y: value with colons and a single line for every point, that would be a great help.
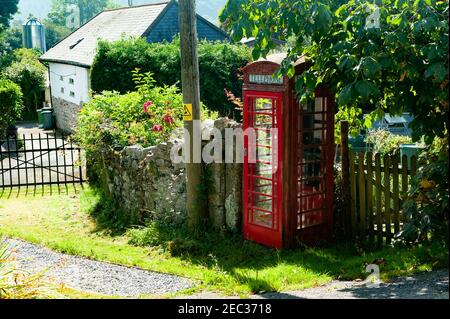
x: 315, y: 165
x: 262, y: 158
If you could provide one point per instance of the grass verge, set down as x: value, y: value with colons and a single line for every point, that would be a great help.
x: 225, y: 264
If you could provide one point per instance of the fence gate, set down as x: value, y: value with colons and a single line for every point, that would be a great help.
x: 378, y: 186
x: 39, y: 159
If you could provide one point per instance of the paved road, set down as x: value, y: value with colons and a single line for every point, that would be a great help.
x: 432, y: 285
x: 38, y: 160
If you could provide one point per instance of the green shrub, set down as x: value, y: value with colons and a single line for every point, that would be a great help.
x: 29, y: 74
x: 145, y: 117
x: 427, y: 204
x: 219, y: 65
x: 11, y: 104
x: 386, y: 143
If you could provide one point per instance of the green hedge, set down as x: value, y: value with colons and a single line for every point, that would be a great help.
x: 26, y: 71
x: 219, y: 65
x: 10, y: 104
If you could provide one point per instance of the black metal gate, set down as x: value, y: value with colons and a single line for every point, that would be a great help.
x: 40, y: 159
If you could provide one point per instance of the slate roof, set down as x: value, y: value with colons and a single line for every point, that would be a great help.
x: 79, y: 47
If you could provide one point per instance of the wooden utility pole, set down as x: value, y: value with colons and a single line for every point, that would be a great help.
x: 195, y: 205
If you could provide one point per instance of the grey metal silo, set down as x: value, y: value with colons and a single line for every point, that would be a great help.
x: 33, y: 36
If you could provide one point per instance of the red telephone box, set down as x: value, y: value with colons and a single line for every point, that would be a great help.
x: 288, y: 159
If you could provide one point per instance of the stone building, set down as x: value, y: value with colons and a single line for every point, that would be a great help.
x: 71, y: 59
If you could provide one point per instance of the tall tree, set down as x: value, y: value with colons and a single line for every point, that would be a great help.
x: 87, y: 8
x: 54, y: 32
x: 7, y: 9
x: 390, y: 55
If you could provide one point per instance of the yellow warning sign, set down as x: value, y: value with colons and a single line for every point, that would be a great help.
x: 187, y: 112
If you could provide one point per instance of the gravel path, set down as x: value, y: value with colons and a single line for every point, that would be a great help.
x: 93, y: 276
x: 108, y: 279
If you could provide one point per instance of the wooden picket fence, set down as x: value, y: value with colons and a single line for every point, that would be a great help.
x: 377, y: 190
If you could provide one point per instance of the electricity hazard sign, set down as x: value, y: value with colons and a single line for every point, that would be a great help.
x: 187, y: 112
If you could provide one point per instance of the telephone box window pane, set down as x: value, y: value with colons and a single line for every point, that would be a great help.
x: 310, y: 219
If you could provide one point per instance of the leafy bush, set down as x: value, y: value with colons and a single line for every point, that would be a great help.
x: 219, y: 65
x: 10, y: 104
x: 427, y: 205
x: 29, y: 74
x: 145, y: 117
x: 386, y: 143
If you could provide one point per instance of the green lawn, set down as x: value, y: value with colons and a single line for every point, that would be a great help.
x: 63, y: 221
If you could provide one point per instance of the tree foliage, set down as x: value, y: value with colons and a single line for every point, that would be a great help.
x: 10, y: 104
x: 7, y: 9
x: 386, y: 55
x: 88, y: 9
x: 29, y: 74
x: 219, y: 65
x: 10, y: 40
x: 427, y: 203
x: 54, y: 32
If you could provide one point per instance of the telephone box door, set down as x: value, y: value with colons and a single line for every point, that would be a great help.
x: 262, y: 173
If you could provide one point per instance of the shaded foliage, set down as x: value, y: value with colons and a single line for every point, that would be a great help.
x: 10, y: 104
x: 26, y: 71
x: 54, y: 33
x: 389, y: 55
x: 88, y: 9
x: 10, y: 40
x: 427, y: 204
x: 7, y: 9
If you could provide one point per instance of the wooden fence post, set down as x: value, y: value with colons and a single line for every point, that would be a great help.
x: 387, y: 197
x: 396, y: 194
x: 379, y: 200
x: 370, y: 196
x: 353, y: 209
x: 345, y: 182
x: 362, y: 198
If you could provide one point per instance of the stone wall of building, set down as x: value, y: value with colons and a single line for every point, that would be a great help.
x: 145, y: 182
x: 66, y: 114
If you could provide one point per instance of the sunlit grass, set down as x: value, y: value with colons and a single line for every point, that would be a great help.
x: 63, y: 221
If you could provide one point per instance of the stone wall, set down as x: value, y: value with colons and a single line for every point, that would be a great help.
x: 66, y: 114
x: 145, y: 182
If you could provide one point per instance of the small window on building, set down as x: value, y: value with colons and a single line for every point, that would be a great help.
x: 71, y: 81
x: 62, y: 90
x: 72, y: 94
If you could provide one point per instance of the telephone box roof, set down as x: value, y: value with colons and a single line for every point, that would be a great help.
x: 276, y: 60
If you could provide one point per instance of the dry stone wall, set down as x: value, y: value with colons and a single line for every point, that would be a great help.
x: 146, y: 183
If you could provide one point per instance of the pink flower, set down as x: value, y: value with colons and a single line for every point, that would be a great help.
x: 157, y: 128
x: 168, y: 119
x: 147, y: 106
